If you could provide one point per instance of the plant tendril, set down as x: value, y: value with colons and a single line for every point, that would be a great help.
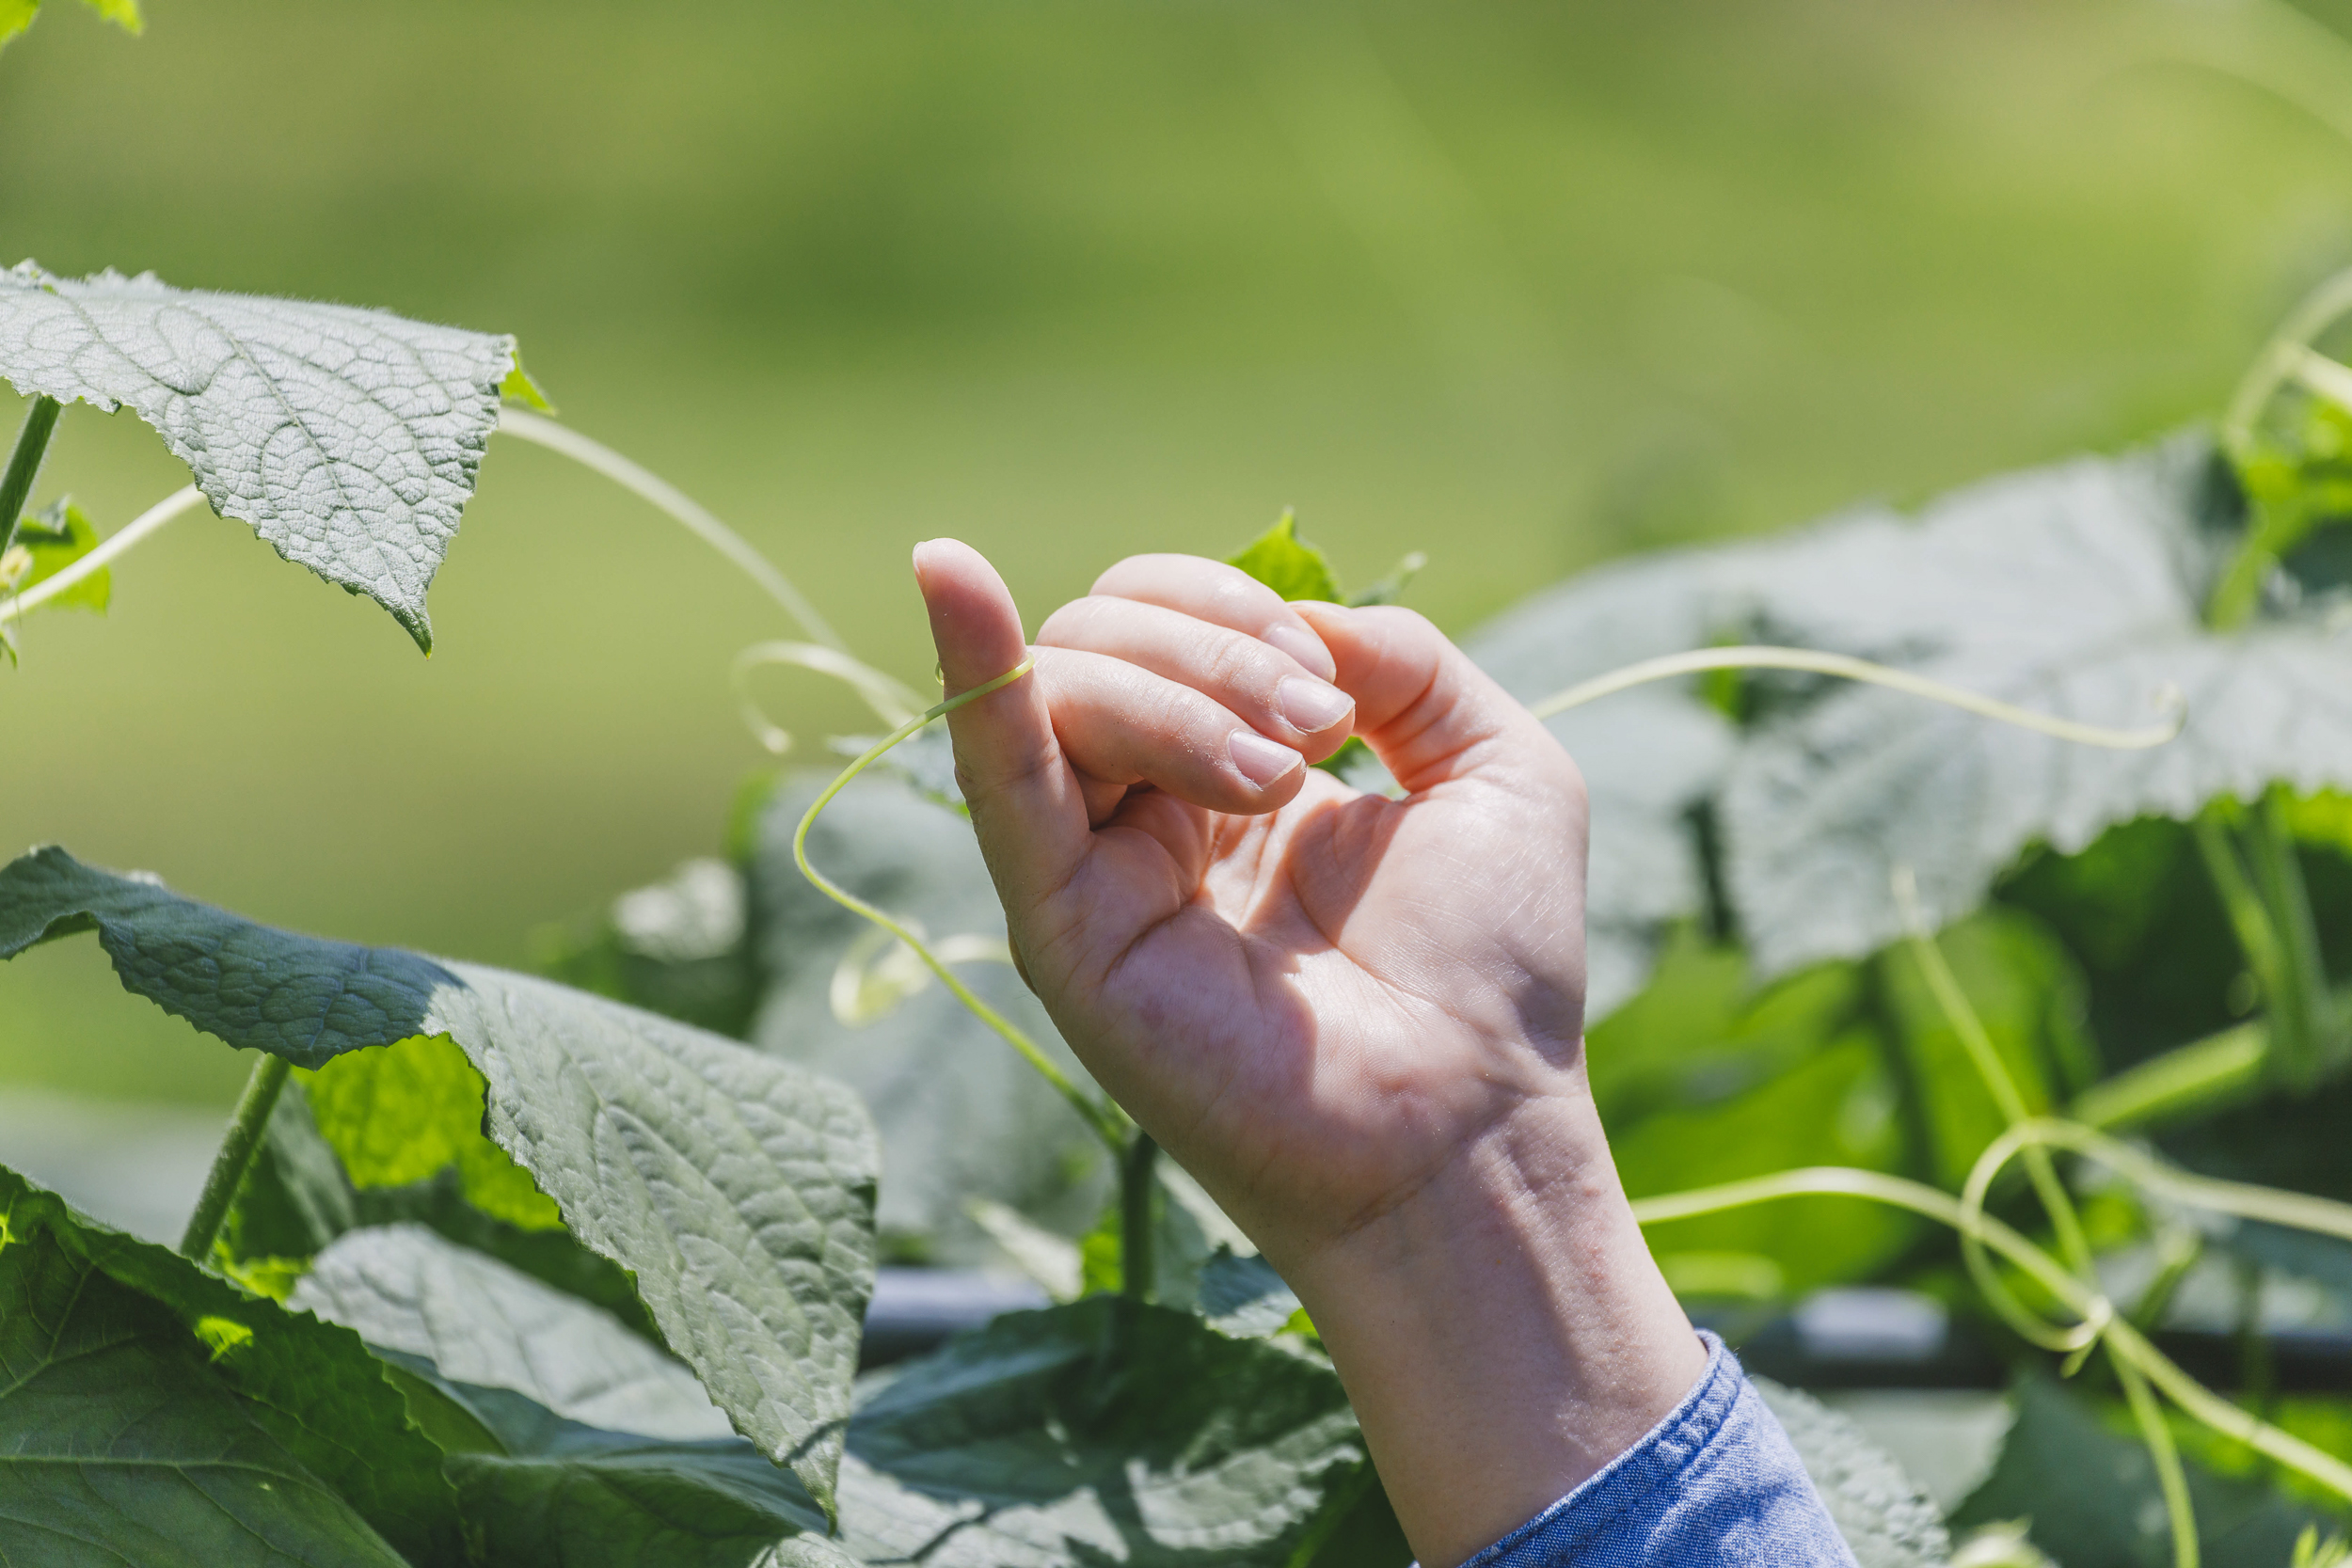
x: 679, y: 507
x: 183, y: 499
x: 1846, y: 667
x: 1105, y: 1122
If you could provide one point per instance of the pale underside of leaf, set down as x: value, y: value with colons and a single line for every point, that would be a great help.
x: 737, y: 1189
x: 1885, y: 1516
x: 348, y: 438
x: 403, y: 1287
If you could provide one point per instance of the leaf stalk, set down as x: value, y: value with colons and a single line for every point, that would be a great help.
x: 16, y: 484
x: 237, y: 1148
x: 1138, y: 1186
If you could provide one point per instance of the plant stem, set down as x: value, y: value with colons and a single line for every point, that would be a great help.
x: 2303, y: 975
x: 2288, y: 1058
x: 236, y: 1157
x: 16, y: 485
x: 2205, y: 1075
x: 1138, y: 1184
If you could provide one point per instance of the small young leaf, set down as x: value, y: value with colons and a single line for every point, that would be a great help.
x: 126, y: 1354
x: 1288, y: 564
x: 348, y: 438
x: 51, y: 541
x: 738, y: 1190
x: 17, y: 15
x: 520, y: 387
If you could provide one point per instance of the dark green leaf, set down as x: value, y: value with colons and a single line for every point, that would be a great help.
x: 962, y: 1115
x: 548, y: 1493
x: 141, y: 1386
x: 1288, y: 564
x: 2093, y: 1501
x: 348, y: 438
x: 737, y: 1189
x: 1102, y: 1432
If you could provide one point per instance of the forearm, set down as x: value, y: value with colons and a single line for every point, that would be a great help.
x: 1502, y: 1332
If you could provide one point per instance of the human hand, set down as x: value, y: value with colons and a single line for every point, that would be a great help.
x: 1357, y: 1022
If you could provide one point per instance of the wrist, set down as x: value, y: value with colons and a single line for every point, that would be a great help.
x: 1503, y: 1330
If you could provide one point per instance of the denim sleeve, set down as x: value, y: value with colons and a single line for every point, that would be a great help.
x: 1716, y: 1484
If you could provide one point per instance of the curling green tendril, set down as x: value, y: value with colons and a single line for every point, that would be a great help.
x: 1108, y: 1122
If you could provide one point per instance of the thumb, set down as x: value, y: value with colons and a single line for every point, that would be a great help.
x: 1025, y: 799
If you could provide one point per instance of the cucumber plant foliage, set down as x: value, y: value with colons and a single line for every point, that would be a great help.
x: 495, y: 1269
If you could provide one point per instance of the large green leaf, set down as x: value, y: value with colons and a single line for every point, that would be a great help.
x: 405, y: 1287
x: 2075, y: 590
x: 1651, y: 756
x: 586, y: 1447
x: 348, y: 438
x: 1102, y: 1432
x: 2094, y: 1501
x: 737, y: 1189
x: 296, y: 1199
x: 160, y: 1414
x: 962, y: 1115
x: 1885, y: 1515
x: 543, y: 1491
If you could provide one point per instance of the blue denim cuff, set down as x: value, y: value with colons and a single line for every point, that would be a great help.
x: 1716, y: 1484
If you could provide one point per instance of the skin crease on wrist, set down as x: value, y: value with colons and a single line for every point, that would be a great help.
x: 1357, y: 1022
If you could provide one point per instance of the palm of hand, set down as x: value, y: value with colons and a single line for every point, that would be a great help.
x: 1316, y: 1007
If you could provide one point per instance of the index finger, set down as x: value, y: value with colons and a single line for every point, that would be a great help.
x: 1223, y: 596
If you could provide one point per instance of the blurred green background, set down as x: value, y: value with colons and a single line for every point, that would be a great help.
x: 1523, y: 285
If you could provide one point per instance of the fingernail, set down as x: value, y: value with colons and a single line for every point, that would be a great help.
x: 1310, y: 706
x: 1304, y: 646
x: 1261, y: 761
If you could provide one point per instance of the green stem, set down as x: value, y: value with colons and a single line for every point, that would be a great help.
x: 2195, y: 1079
x: 1138, y: 1184
x: 236, y: 1157
x: 2302, y: 972
x: 2289, y: 1056
x: 16, y: 485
